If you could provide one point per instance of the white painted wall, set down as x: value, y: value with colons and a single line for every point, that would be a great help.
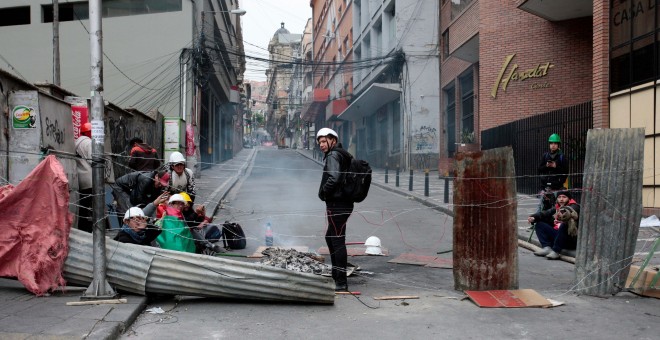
x: 141, y: 46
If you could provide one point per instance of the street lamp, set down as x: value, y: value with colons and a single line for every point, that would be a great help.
x: 237, y: 11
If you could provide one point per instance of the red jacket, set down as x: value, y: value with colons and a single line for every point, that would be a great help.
x: 143, y: 158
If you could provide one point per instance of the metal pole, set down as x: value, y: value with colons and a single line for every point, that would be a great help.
x: 56, y: 42
x: 99, y: 288
x: 386, y: 173
x: 426, y: 182
x: 410, y: 180
x: 397, y: 176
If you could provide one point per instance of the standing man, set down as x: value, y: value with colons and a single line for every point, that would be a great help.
x: 84, y: 165
x: 143, y: 156
x: 554, y: 165
x: 339, y: 205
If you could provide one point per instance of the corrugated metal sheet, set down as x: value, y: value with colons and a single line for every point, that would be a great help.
x: 485, y: 235
x: 139, y: 269
x: 611, y: 209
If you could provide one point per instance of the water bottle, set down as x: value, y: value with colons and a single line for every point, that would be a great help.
x: 269, y: 235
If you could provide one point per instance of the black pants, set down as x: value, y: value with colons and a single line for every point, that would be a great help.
x: 85, y: 222
x: 335, y: 236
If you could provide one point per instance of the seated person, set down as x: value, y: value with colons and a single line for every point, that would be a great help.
x: 556, y: 227
x: 206, y: 235
x: 175, y: 235
x: 134, y: 229
x: 182, y: 178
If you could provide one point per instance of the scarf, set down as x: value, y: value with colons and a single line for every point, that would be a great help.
x: 137, y: 236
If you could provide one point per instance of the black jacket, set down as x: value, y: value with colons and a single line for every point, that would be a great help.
x: 555, y: 176
x: 139, y: 186
x: 150, y: 234
x: 334, y: 171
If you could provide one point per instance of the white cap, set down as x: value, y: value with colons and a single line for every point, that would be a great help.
x: 176, y: 158
x: 326, y: 132
x: 133, y: 212
x: 176, y: 198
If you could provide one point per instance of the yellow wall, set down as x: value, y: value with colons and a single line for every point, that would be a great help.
x: 640, y: 107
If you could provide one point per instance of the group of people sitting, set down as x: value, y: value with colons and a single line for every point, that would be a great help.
x: 164, y: 195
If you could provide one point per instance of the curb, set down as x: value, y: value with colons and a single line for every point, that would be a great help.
x: 221, y: 194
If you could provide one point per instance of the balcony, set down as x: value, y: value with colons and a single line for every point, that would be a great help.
x: 315, y: 104
x: 558, y: 10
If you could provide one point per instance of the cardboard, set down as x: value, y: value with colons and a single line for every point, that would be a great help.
x: 423, y: 260
x: 521, y: 298
x: 643, y: 284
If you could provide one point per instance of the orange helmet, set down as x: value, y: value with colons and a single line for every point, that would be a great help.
x: 86, y: 127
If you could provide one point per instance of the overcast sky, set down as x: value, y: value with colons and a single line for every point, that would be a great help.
x: 262, y: 19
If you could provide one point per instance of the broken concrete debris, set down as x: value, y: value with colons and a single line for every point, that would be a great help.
x: 292, y: 259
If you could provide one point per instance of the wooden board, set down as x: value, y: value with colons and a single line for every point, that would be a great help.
x: 353, y: 251
x: 423, y: 260
x: 521, y: 298
x: 397, y: 297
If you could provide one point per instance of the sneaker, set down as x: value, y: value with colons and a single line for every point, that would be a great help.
x: 543, y: 252
x: 218, y: 248
x: 341, y: 287
x: 552, y: 256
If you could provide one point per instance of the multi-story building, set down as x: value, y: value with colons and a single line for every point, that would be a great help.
x: 283, y: 50
x: 378, y: 77
x: 514, y: 72
x: 178, y: 57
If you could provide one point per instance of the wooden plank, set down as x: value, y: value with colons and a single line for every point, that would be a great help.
x: 397, y: 297
x: 521, y: 298
x: 96, y: 302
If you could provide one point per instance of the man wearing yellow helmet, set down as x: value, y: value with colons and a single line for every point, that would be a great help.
x: 206, y: 235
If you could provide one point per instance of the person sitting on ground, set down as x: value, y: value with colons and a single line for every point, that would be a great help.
x: 138, y: 188
x: 175, y: 235
x: 206, y: 235
x: 182, y: 178
x: 143, y: 156
x: 134, y: 229
x: 561, y: 232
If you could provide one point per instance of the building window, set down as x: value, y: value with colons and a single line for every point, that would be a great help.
x: 458, y: 7
x: 634, y: 43
x: 14, y: 16
x: 71, y: 11
x: 467, y: 105
x: 450, y: 115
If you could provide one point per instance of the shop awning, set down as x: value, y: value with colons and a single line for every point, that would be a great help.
x: 377, y: 95
x: 315, y: 105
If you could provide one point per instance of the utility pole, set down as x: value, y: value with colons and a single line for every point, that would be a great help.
x: 99, y: 288
x: 56, y: 42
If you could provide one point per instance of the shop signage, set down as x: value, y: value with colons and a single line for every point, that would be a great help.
x: 538, y: 71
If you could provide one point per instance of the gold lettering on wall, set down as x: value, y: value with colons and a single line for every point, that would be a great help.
x: 538, y: 71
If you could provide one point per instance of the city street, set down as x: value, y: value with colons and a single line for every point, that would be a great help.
x: 280, y: 187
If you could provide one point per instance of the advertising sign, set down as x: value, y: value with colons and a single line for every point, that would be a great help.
x: 79, y: 116
x: 24, y: 117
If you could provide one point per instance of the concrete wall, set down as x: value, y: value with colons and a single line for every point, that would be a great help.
x: 141, y: 46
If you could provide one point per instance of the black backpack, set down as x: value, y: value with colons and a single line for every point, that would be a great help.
x: 358, y: 178
x: 233, y: 236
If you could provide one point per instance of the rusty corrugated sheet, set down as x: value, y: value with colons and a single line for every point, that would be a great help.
x: 143, y: 270
x: 485, y: 208
x: 611, y: 209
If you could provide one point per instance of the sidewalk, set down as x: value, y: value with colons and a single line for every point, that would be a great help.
x: 527, y: 204
x: 26, y: 316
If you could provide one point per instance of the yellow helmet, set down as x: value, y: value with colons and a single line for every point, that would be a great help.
x: 186, y: 197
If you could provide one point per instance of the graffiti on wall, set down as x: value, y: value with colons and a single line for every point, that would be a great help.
x: 424, y: 139
x: 54, y: 132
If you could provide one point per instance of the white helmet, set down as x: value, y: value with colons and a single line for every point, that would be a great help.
x: 373, y: 246
x: 176, y: 198
x: 326, y: 132
x: 176, y: 158
x: 133, y: 212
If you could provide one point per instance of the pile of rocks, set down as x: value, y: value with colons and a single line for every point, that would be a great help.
x: 292, y: 259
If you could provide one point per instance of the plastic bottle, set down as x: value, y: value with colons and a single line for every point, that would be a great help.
x: 269, y: 235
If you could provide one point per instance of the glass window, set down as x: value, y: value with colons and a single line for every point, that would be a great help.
x: 14, y: 16
x: 458, y: 6
x: 450, y: 114
x: 642, y: 60
x: 111, y: 8
x: 467, y: 104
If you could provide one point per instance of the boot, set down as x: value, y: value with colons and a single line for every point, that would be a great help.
x: 543, y: 252
x: 552, y: 256
x: 341, y: 287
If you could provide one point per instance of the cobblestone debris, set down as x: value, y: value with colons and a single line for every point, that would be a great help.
x: 294, y: 260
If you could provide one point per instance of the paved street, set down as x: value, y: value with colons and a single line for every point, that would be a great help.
x: 281, y: 188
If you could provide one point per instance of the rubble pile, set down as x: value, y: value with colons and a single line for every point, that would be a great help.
x: 294, y: 260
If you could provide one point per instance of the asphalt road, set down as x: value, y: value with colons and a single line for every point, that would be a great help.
x: 281, y: 188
